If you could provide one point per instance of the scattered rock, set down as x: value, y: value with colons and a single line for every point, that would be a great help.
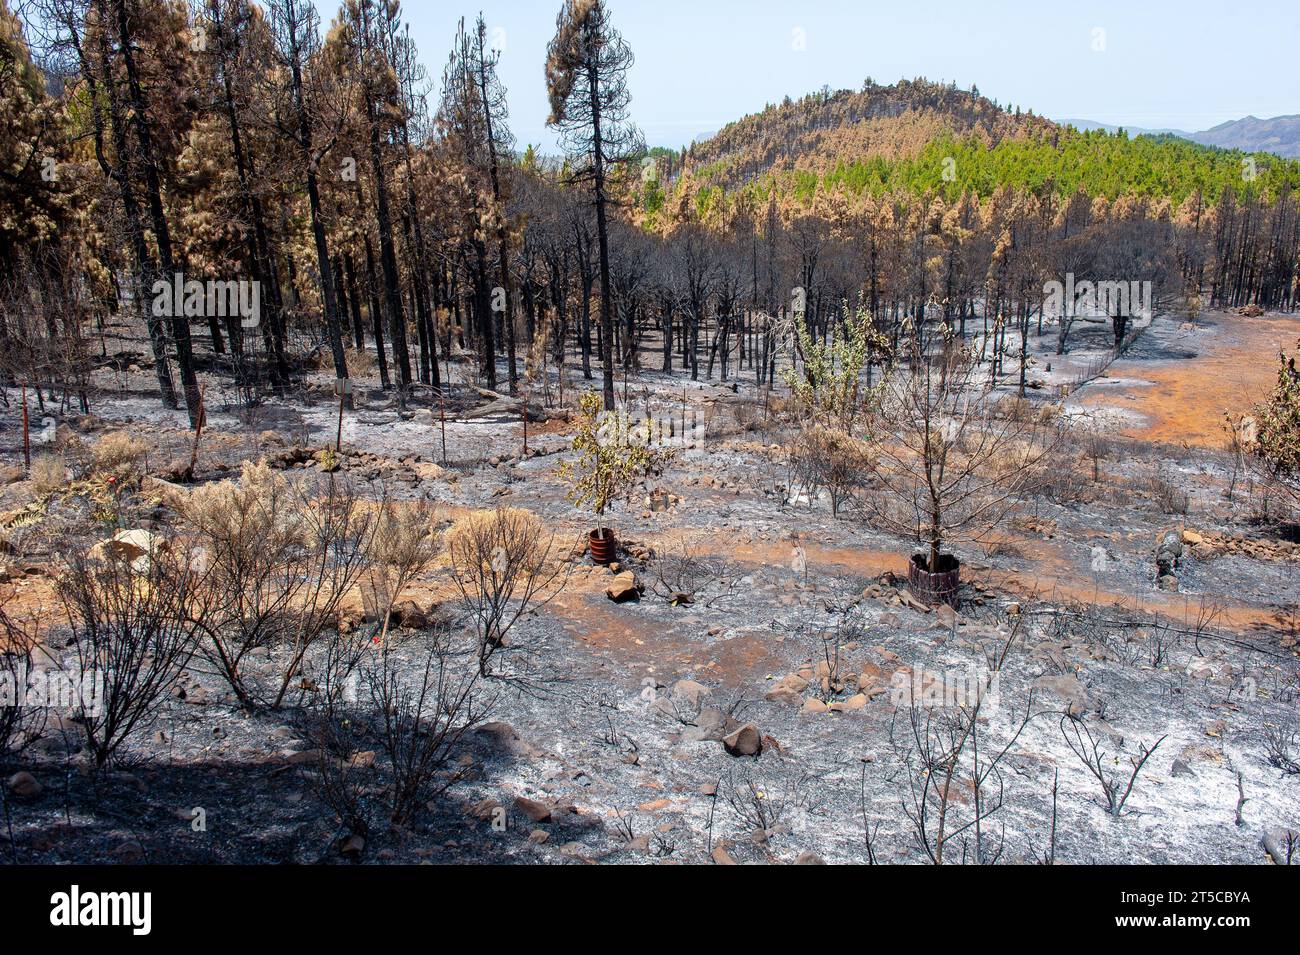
x: 503, y: 739
x: 624, y: 588
x: 855, y: 702
x: 352, y: 847
x: 746, y: 741
x: 789, y: 689
x: 24, y: 785
x: 1067, y: 688
x: 534, y: 810
x: 808, y: 857
x: 721, y: 856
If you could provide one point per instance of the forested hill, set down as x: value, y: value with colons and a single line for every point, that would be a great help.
x: 818, y: 130
x: 917, y: 137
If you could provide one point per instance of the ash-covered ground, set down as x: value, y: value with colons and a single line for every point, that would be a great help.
x: 770, y: 692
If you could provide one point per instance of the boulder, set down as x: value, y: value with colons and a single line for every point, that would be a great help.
x: 855, y: 702
x: 134, y: 546
x: 745, y: 741
x: 813, y: 705
x: 624, y: 588
x: 172, y: 495
x: 1169, y: 552
x: 428, y: 471
x: 408, y: 615
x: 502, y: 739
x: 710, y: 725
x: 808, y: 857
x: 690, y: 692
x: 24, y: 785
x: 535, y: 811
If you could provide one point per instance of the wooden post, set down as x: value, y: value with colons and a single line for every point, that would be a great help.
x: 343, y: 388
x: 683, y: 415
x: 524, y: 411
x: 442, y: 420
x: 199, y: 425
x: 27, y: 437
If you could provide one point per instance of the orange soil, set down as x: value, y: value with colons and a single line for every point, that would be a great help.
x: 1054, y: 578
x: 1184, y: 401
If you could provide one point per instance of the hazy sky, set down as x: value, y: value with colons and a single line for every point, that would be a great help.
x: 701, y: 63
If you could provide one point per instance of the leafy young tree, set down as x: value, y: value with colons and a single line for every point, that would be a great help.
x: 612, y: 456
x: 586, y: 80
x: 1277, y: 422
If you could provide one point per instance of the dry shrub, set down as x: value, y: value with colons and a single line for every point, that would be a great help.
x: 282, y: 561
x: 822, y: 457
x: 132, y: 630
x: 118, y: 456
x: 748, y: 415
x: 1067, y: 483
x: 49, y: 472
x: 19, y: 724
x: 361, y: 363
x: 402, y: 546
x: 259, y: 510
x: 501, y: 564
x: 1167, y: 496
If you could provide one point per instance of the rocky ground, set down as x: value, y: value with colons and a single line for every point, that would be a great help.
x: 763, y: 688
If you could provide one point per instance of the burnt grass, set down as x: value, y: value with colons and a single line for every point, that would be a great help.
x: 631, y: 768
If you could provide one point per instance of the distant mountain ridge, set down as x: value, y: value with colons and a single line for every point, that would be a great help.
x: 1279, y: 135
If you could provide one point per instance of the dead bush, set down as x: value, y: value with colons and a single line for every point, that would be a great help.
x: 682, y: 574
x: 282, y: 561
x: 1281, y: 751
x: 419, y: 715
x: 20, y: 723
x: 1167, y: 496
x: 133, y: 628
x: 501, y: 562
x: 1066, y: 486
x: 119, y: 457
x: 760, y: 803
x: 402, y: 545
x: 822, y: 457
x: 361, y: 363
x: 1087, y: 749
x: 49, y: 472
